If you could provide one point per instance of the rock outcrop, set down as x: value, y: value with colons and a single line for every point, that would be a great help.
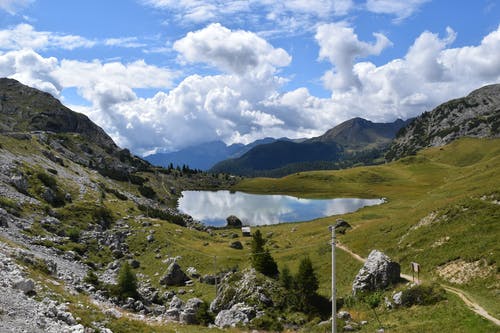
x: 378, y: 272
x: 233, y: 222
x: 174, y: 276
x: 476, y: 115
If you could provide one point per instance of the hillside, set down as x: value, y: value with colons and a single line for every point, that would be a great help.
x: 68, y: 229
x: 353, y: 142
x: 476, y: 115
x: 441, y: 212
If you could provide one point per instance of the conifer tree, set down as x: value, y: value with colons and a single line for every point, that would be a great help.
x: 262, y: 260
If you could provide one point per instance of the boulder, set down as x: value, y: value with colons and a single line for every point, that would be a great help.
x: 20, y: 183
x: 190, y: 311
x: 192, y: 272
x: 344, y: 315
x: 341, y: 226
x: 233, y: 222
x: 208, y: 279
x: 5, y: 218
x: 174, y: 276
x: 134, y: 263
x: 239, y: 313
x: 27, y: 286
x: 249, y: 287
x: 236, y: 245
x: 397, y: 298
x: 378, y: 272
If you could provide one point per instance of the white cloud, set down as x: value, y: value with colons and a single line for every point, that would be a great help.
x: 32, y: 69
x: 401, y: 9
x: 341, y: 46
x: 429, y: 74
x: 13, y: 6
x: 236, y: 52
x: 24, y: 36
x: 245, y: 101
x: 270, y: 17
x: 129, y: 42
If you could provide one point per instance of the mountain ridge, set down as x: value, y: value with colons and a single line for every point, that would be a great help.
x: 475, y: 115
x: 355, y: 141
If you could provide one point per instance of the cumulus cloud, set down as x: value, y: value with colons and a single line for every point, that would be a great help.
x: 236, y: 52
x: 245, y: 101
x: 401, y: 9
x: 13, y: 6
x: 341, y: 46
x: 430, y: 73
x: 24, y: 36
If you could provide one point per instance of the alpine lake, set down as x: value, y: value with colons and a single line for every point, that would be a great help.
x: 213, y: 207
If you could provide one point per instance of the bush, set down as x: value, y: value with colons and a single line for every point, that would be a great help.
x: 204, y: 316
x: 422, y: 295
x: 147, y: 191
x: 266, y: 322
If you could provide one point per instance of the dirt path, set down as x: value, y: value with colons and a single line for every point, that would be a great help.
x: 464, y: 297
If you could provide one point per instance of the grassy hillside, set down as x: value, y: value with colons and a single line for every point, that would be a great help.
x: 442, y: 212
x: 459, y: 183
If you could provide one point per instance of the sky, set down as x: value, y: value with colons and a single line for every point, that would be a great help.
x: 162, y: 75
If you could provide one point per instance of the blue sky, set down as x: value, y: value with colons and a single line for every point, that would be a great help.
x: 160, y: 75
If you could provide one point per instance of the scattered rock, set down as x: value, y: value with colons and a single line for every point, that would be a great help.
x: 397, y: 298
x: 5, y: 218
x: 348, y: 328
x: 236, y: 245
x: 239, y: 313
x: 192, y: 272
x: 174, y: 276
x: 27, y: 286
x: 233, y: 222
x: 344, y: 315
x: 134, y: 263
x: 20, y: 183
x: 378, y: 272
x: 150, y: 238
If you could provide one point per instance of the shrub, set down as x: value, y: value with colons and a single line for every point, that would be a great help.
x: 266, y: 322
x: 422, y: 295
x: 204, y: 316
x: 147, y: 191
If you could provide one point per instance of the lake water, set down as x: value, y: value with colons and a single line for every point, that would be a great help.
x: 213, y: 207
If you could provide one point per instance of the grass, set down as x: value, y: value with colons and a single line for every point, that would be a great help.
x: 449, y: 181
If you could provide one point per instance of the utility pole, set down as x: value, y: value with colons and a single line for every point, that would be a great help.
x: 334, y: 294
x: 215, y: 269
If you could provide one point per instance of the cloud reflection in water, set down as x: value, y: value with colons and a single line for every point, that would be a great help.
x: 213, y: 207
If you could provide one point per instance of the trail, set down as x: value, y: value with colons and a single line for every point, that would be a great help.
x: 471, y: 304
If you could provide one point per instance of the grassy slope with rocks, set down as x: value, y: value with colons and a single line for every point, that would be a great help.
x: 458, y: 181
x: 442, y: 210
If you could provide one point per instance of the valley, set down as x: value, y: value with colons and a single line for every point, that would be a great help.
x: 79, y: 215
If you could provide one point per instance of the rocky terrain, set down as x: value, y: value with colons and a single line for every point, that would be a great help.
x: 476, y: 115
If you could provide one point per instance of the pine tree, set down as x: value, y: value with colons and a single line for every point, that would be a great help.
x: 262, y: 260
x: 306, y: 285
x: 127, y: 282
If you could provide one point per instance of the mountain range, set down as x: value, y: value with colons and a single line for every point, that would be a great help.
x: 72, y: 227
x: 204, y: 155
x: 353, y: 142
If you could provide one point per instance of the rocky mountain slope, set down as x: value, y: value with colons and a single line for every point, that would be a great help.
x: 476, y: 115
x: 356, y: 141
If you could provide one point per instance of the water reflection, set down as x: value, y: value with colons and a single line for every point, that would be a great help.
x: 212, y: 208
